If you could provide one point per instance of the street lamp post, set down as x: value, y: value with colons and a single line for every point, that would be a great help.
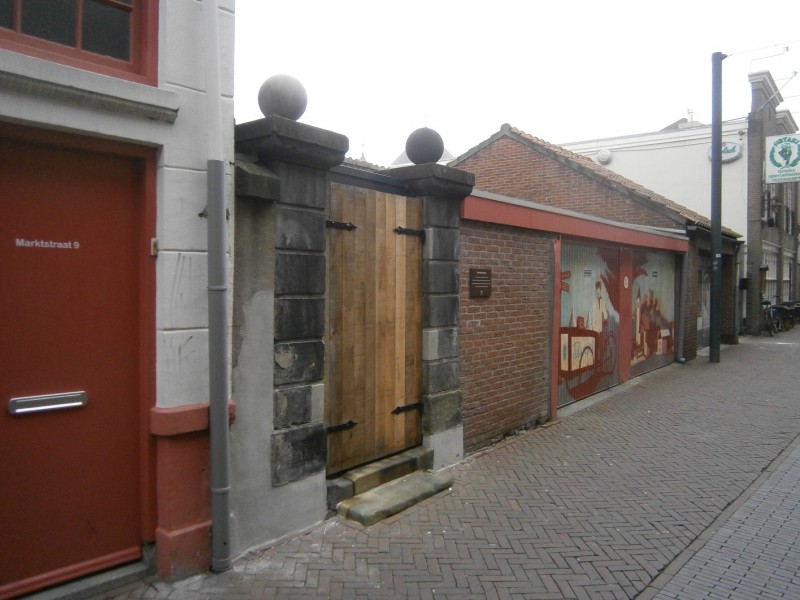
x: 716, y: 203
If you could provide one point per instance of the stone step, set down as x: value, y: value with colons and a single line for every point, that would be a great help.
x: 388, y: 499
x: 362, y: 479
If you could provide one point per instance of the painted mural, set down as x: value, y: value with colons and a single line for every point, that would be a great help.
x: 652, y: 311
x: 589, y: 328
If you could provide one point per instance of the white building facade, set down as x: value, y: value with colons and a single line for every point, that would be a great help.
x: 676, y: 162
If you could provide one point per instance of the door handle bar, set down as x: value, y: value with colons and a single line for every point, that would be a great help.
x: 46, y: 402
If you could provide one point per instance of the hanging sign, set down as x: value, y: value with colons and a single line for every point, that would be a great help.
x: 782, y: 159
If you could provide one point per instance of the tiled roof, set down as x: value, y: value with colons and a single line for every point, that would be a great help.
x: 361, y: 163
x: 587, y: 166
x: 403, y: 160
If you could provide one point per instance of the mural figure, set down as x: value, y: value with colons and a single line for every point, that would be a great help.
x: 599, y: 314
x: 653, y: 326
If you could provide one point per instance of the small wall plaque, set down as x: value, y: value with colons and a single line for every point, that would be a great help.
x: 480, y: 283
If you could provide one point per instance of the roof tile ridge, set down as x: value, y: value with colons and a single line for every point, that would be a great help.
x: 616, y: 178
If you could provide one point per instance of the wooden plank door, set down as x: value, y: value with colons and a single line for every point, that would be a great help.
x: 374, y: 343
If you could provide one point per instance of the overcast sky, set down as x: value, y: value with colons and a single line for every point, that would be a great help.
x: 375, y: 71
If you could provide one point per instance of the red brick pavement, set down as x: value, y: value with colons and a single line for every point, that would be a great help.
x: 594, y: 506
x: 752, y: 553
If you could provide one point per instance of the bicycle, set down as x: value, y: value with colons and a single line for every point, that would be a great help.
x: 785, y: 314
x: 768, y: 318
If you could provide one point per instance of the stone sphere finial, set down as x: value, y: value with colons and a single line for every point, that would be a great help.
x: 282, y: 95
x: 424, y: 146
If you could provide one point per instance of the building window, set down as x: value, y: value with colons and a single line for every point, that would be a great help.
x: 114, y: 37
x: 772, y: 207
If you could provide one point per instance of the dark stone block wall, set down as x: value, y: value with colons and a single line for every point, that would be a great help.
x: 442, y: 189
x: 300, y: 156
x: 298, y: 452
x: 299, y: 274
x: 292, y: 406
x: 299, y: 446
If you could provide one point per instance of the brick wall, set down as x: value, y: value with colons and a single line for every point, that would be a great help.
x: 693, y: 292
x: 513, y: 169
x: 728, y: 328
x: 505, y: 339
x: 701, y: 245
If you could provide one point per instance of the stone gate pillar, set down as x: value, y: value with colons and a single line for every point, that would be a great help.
x: 279, y: 440
x: 300, y: 156
x: 441, y: 189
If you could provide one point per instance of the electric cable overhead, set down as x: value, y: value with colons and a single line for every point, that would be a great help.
x: 784, y: 45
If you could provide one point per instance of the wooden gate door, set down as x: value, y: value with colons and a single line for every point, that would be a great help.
x: 69, y: 365
x: 374, y: 344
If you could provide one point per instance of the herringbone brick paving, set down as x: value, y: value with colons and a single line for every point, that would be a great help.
x: 756, y: 552
x: 594, y: 506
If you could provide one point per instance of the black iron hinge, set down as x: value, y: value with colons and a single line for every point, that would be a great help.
x: 407, y: 408
x: 340, y: 225
x: 420, y: 233
x: 341, y: 427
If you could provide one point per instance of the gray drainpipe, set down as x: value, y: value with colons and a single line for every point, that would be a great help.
x: 218, y: 369
x: 217, y: 302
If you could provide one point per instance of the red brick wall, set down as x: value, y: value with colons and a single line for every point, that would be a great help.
x: 701, y: 245
x: 728, y: 328
x: 513, y: 169
x: 505, y: 339
x: 692, y: 304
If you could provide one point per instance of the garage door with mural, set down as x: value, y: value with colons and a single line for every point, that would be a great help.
x: 617, y: 316
x: 653, y: 311
x: 589, y: 328
x: 70, y: 477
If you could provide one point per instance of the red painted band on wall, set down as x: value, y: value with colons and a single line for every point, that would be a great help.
x: 180, y: 420
x: 529, y: 217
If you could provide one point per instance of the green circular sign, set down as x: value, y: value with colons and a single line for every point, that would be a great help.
x: 785, y: 152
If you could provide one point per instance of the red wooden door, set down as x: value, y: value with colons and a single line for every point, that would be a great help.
x: 69, y: 304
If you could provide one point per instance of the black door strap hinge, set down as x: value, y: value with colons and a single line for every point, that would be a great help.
x: 420, y: 233
x: 340, y: 225
x: 341, y: 427
x: 407, y: 408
